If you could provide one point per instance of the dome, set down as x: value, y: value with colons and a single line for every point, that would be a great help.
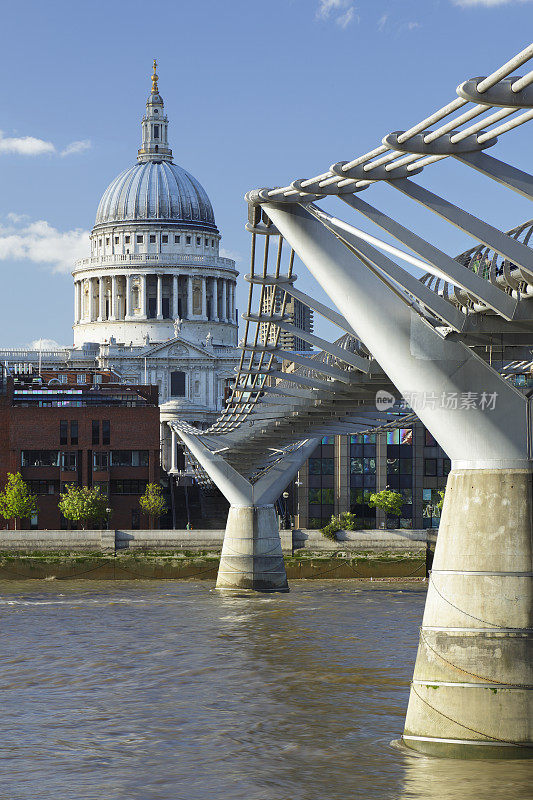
x: 156, y: 191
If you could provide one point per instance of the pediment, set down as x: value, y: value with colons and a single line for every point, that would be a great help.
x: 179, y: 348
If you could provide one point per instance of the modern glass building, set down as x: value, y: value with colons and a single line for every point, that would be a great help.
x: 344, y: 471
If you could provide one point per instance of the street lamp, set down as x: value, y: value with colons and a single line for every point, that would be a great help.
x: 285, y: 496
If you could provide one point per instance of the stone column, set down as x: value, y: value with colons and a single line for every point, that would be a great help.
x: 101, y: 299
x: 216, y: 315
x: 224, y: 302
x: 175, y: 296
x: 144, y: 299
x: 204, y: 298
x: 91, y: 299
x: 76, y: 305
x: 159, y: 297
x: 128, y: 314
x: 113, y: 314
x: 233, y: 287
x: 189, y: 296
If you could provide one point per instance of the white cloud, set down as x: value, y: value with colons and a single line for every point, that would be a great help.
x: 25, y: 145
x: 41, y: 243
x: 411, y: 26
x: 382, y: 21
x: 31, y: 146
x: 341, y: 11
x: 45, y: 344
x: 486, y: 3
x: 76, y: 147
x: 344, y: 19
x: 230, y: 254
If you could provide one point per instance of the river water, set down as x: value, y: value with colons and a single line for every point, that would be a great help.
x: 141, y: 690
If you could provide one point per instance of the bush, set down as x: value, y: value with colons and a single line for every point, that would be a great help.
x: 344, y: 522
x: 390, y: 502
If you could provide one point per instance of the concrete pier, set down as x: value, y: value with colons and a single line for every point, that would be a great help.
x: 471, y: 692
x: 252, y: 558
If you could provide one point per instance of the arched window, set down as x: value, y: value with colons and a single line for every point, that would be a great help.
x: 177, y: 384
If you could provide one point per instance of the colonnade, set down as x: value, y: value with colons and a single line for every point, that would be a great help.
x: 127, y: 296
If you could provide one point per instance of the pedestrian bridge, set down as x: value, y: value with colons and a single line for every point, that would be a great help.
x: 447, y: 341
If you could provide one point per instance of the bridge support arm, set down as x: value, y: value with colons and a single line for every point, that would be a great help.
x: 251, y: 558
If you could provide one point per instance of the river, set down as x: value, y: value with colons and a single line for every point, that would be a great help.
x: 145, y: 690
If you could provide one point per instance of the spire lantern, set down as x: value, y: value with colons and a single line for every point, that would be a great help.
x: 154, y: 125
x: 155, y: 89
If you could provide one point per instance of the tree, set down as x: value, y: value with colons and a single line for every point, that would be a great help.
x: 152, y: 502
x: 16, y: 500
x: 81, y: 504
x: 390, y: 502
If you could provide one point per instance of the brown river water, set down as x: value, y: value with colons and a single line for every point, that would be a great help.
x: 165, y: 689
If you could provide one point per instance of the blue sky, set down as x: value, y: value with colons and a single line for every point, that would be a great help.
x: 257, y: 94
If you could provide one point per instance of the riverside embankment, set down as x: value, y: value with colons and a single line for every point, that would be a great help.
x: 170, y: 554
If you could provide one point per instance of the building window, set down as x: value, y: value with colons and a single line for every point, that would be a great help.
x: 164, y: 239
x: 106, y: 431
x: 128, y: 486
x: 156, y: 131
x: 177, y: 384
x: 74, y: 431
x: 212, y: 242
x: 207, y: 242
x: 139, y: 239
x: 430, y: 467
x: 152, y: 239
x: 80, y: 378
x: 198, y: 240
x: 188, y: 240
x: 129, y: 458
x: 40, y: 458
x: 100, y: 460
x: 69, y: 462
x: 63, y: 431
x: 63, y: 379
x: 43, y: 487
x: 97, y: 378
x: 99, y: 242
x: 96, y: 431
x: 127, y: 239
x: 116, y: 240
x: 135, y: 519
x: 177, y: 239
x: 107, y: 239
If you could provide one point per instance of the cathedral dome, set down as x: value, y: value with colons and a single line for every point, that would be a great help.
x: 154, y: 191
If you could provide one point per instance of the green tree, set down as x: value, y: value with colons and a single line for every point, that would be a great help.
x: 16, y: 500
x: 441, y: 501
x: 391, y: 502
x: 152, y: 502
x: 82, y: 504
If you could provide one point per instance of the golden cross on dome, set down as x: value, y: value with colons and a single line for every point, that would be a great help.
x: 155, y: 89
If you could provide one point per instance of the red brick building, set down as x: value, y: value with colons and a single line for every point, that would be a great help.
x: 79, y: 427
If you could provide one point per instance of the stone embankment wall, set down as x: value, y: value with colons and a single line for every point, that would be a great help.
x: 159, y: 555
x: 111, y: 541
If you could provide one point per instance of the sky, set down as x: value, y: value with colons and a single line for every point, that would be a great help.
x: 257, y: 94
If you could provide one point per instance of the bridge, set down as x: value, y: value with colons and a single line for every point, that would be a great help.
x: 435, y: 341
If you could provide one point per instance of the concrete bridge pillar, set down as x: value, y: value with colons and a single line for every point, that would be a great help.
x: 471, y: 695
x: 252, y: 558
